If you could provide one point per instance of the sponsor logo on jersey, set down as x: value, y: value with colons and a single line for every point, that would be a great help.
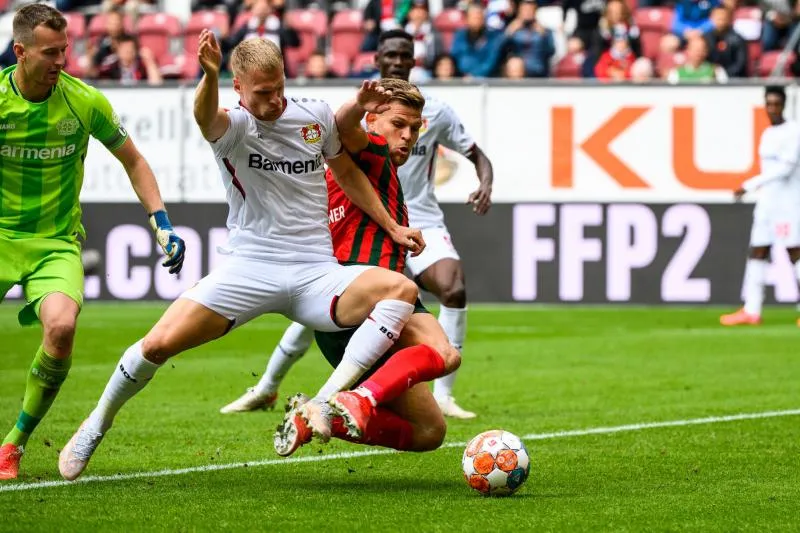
x: 336, y: 214
x: 312, y: 133
x: 7, y: 126
x: 67, y: 126
x: 29, y: 152
x: 287, y: 167
x: 419, y: 149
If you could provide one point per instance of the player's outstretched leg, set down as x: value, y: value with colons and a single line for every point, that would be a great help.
x: 754, y: 275
x: 58, y: 314
x: 293, y: 345
x: 184, y: 325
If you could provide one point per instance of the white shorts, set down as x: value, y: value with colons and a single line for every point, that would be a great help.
x: 241, y: 289
x: 782, y: 228
x: 438, y: 246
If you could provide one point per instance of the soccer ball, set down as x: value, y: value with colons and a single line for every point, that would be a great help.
x: 496, y: 463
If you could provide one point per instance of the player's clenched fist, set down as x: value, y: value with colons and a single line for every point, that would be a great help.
x: 411, y: 238
x: 373, y: 98
x: 209, y: 53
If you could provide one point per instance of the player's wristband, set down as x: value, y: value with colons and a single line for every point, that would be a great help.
x: 160, y: 221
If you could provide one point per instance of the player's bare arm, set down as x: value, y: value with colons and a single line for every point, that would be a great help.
x: 481, y: 198
x: 358, y: 188
x: 371, y: 98
x: 140, y: 175
x: 212, y: 120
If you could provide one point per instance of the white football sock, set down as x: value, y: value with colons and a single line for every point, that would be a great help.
x: 754, y: 273
x: 368, y: 344
x: 454, y: 324
x: 293, y: 345
x: 130, y: 376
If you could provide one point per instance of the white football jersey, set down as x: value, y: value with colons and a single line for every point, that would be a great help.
x: 274, y: 178
x: 440, y: 126
x: 778, y: 149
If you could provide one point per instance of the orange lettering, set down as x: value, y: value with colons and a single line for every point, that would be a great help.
x: 561, y: 172
x: 683, y: 155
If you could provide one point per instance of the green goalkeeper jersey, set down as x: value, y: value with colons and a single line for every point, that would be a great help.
x: 42, y: 150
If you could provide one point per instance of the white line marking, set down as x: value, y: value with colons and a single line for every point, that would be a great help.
x: 368, y: 453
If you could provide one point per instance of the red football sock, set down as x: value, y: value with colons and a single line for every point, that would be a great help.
x: 403, y: 370
x: 383, y: 429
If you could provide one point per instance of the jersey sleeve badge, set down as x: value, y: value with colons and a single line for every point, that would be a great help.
x: 67, y: 127
x: 312, y: 133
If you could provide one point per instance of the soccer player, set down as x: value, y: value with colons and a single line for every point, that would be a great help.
x: 438, y: 269
x: 46, y: 120
x: 270, y: 150
x: 776, y: 216
x: 392, y: 408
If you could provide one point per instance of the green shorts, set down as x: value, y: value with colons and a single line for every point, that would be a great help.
x: 42, y: 266
x: 332, y: 344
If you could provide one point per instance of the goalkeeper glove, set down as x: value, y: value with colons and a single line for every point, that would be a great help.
x: 173, y: 246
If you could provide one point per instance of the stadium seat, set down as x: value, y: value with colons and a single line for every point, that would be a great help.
x: 653, y: 22
x: 97, y: 25
x: 4, y: 5
x: 200, y: 20
x: 633, y: 5
x: 293, y: 58
x: 310, y: 25
x: 768, y: 62
x: 158, y: 32
x: 447, y: 23
x: 346, y: 33
x: 340, y: 65
x: 667, y: 62
x: 76, y: 33
x: 570, y: 66
x: 364, y: 61
x: 240, y: 20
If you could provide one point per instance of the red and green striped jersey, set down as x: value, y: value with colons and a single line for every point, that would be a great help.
x: 42, y: 149
x: 357, y: 239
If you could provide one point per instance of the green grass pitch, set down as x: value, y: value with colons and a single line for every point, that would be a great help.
x: 529, y: 370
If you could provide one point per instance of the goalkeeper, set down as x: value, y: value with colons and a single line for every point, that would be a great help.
x: 46, y: 120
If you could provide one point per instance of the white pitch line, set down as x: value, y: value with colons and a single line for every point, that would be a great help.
x: 368, y: 453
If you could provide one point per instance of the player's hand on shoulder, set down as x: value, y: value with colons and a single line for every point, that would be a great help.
x: 410, y: 238
x: 481, y: 199
x: 209, y: 52
x: 172, y: 245
x: 372, y: 97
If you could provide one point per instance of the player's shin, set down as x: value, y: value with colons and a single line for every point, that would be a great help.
x: 454, y: 324
x: 293, y: 345
x: 45, y: 377
x: 130, y: 376
x: 754, y: 274
x: 369, y: 342
x: 402, y: 371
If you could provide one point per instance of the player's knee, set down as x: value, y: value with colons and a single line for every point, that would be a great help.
x: 59, y: 334
x: 448, y: 353
x: 403, y: 289
x: 431, y: 436
x: 157, y: 347
x: 454, y: 296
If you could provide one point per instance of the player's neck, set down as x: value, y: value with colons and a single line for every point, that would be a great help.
x: 30, y: 91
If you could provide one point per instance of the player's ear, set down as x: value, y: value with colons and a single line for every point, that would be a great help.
x: 237, y: 86
x: 19, y: 51
x: 371, y: 118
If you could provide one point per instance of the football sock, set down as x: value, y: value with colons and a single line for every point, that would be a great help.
x: 293, y: 345
x: 44, y: 381
x: 402, y: 371
x: 383, y: 429
x: 454, y: 324
x: 130, y: 376
x: 369, y: 342
x: 754, y: 274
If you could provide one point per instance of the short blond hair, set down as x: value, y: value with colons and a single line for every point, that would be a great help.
x: 404, y: 92
x: 256, y: 54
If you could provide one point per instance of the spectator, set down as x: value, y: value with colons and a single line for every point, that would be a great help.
x: 531, y: 41
x: 514, y: 68
x: 691, y: 19
x: 780, y: 19
x: 444, y: 67
x: 725, y: 47
x: 615, y: 63
x: 588, y: 18
x: 264, y: 23
x: 499, y: 13
x: 97, y: 54
x: 642, y: 70
x: 381, y: 16
x: 697, y: 68
x: 427, y: 42
x: 317, y: 67
x: 129, y: 65
x: 617, y: 22
x: 476, y: 48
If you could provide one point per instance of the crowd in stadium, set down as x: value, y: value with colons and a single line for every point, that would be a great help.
x: 133, y: 41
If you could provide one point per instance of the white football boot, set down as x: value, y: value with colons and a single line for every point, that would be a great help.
x: 75, y: 456
x: 450, y: 408
x: 250, y: 401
